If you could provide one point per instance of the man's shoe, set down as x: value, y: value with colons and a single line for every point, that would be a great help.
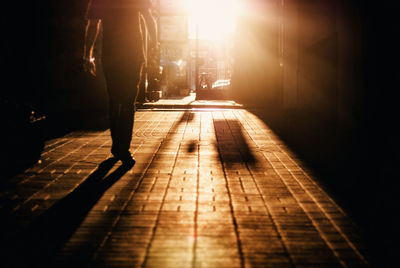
x: 125, y: 157
x: 114, y: 152
x: 128, y: 160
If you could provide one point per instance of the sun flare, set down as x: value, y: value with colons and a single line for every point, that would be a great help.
x: 213, y: 19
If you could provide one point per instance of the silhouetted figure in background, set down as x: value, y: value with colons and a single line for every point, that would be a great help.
x: 123, y: 57
x: 205, y: 81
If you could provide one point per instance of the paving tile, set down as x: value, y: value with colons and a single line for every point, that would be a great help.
x: 212, y: 188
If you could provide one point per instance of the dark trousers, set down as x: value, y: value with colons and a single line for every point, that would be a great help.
x: 122, y: 86
x: 122, y: 57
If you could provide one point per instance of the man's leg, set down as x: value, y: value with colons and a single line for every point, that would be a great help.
x: 121, y: 125
x: 127, y: 111
x: 123, y: 89
x: 125, y: 127
x: 113, y: 114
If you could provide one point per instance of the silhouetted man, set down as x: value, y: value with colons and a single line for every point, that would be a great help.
x: 123, y: 57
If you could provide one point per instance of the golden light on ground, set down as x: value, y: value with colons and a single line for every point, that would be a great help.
x: 214, y: 19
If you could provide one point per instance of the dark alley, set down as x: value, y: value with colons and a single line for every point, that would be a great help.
x: 188, y: 133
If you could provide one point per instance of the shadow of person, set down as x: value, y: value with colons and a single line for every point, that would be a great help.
x: 45, y: 236
x: 231, y: 142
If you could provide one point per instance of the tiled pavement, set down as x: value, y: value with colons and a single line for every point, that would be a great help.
x: 211, y: 188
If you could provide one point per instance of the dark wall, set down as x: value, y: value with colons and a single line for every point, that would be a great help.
x: 327, y: 85
x: 379, y: 125
x: 42, y: 45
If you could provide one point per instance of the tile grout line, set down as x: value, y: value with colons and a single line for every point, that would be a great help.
x: 338, y: 229
x: 323, y: 236
x: 235, y: 224
x: 308, y: 176
x: 56, y: 178
x: 195, y: 227
x: 124, y: 206
x: 68, y: 141
x: 332, y: 221
x: 269, y: 210
x: 53, y: 162
x: 310, y: 179
x: 162, y: 202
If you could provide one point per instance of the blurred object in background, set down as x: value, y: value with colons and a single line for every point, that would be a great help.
x: 221, y: 84
x: 174, y: 79
x: 24, y: 135
x: 213, y: 90
x: 153, y: 83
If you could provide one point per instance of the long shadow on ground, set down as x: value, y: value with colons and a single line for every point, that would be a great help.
x: 233, y: 147
x: 39, y: 243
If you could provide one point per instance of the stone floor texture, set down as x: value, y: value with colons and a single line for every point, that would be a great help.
x: 211, y: 188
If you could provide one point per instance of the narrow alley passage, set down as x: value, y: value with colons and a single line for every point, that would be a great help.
x: 210, y: 188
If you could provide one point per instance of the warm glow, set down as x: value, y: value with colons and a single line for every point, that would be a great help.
x: 215, y: 19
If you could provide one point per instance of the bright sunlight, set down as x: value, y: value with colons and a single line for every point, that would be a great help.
x: 214, y: 19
